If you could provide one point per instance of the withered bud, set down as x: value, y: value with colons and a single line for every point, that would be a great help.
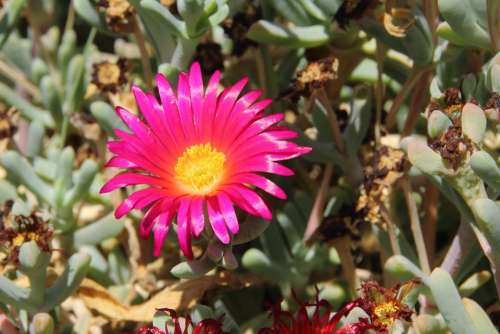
x: 109, y: 76
x: 210, y: 57
x: 17, y: 230
x: 316, y: 75
x: 352, y: 10
x: 119, y: 14
x: 453, y: 146
x: 237, y: 28
x: 398, y: 18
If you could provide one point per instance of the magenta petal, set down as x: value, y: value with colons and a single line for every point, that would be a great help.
x: 263, y: 183
x: 196, y: 88
x: 147, y: 222
x: 217, y: 222
x: 184, y: 105
x: 253, y: 200
x: 183, y: 228
x: 227, y: 210
x: 162, y: 226
x: 120, y: 162
x: 197, y: 216
x: 267, y: 166
x: 143, y: 197
x: 209, y: 106
x: 127, y: 179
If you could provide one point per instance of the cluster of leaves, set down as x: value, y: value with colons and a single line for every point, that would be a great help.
x: 398, y: 99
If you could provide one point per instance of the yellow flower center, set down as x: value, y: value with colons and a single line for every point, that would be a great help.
x: 200, y: 168
x: 23, y: 237
x: 386, y: 312
x: 108, y: 73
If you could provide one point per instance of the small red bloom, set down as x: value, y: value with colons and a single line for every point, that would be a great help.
x: 322, y: 321
x: 385, y: 305
x: 207, y: 326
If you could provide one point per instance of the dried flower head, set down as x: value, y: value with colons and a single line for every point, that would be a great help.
x: 109, y: 76
x: 120, y: 14
x: 316, y: 75
x: 493, y: 104
x: 388, y: 166
x: 386, y: 305
x: 210, y: 57
x: 237, y: 28
x: 453, y: 146
x: 451, y: 103
x: 398, y: 17
x: 7, y: 125
x: 342, y: 224
x: 17, y: 230
x: 352, y: 10
x: 199, y: 153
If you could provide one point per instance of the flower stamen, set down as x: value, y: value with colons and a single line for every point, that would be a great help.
x: 200, y: 168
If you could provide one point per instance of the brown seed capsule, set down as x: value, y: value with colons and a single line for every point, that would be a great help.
x: 108, y: 76
x: 316, y: 75
x: 453, y: 146
x: 8, y: 127
x: 388, y: 165
x: 210, y: 57
x: 398, y: 17
x: 17, y: 230
x: 237, y: 28
x: 120, y: 14
x: 352, y: 10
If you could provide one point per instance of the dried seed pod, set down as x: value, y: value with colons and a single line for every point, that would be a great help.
x: 398, y: 17
x: 108, y: 76
x: 237, y: 28
x: 352, y: 10
x: 316, y: 75
x: 388, y: 166
x: 120, y: 15
x: 20, y: 229
x: 210, y: 57
x: 7, y: 125
x: 453, y: 146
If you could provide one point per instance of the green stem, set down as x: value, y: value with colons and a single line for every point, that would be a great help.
x: 415, y: 226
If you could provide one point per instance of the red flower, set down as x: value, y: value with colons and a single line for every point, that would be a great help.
x: 322, y: 321
x: 385, y: 305
x: 207, y: 326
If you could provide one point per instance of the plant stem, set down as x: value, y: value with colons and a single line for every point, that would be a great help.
x: 334, y: 123
x: 415, y: 226
x: 431, y: 202
x: 379, y: 91
x: 418, y: 102
x: 403, y: 93
x: 463, y: 243
x: 396, y: 249
x: 13, y: 73
x: 146, y: 65
x: 316, y: 215
x: 343, y: 247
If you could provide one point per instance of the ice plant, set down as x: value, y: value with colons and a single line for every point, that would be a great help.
x: 199, y: 153
x: 386, y: 305
x: 206, y: 326
x: 322, y: 321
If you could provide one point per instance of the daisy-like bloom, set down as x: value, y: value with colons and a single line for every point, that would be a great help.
x: 199, y: 153
x: 386, y: 305
x: 207, y: 326
x: 322, y: 321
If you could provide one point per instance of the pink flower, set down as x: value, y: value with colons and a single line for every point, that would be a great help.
x: 199, y: 153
